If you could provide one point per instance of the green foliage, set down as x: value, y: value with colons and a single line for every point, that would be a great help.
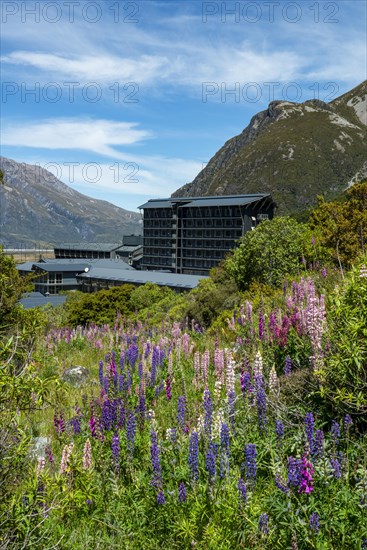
x: 12, y: 286
x: 100, y: 307
x: 209, y: 298
x: 268, y: 253
x: 341, y: 227
x: 148, y: 295
x: 345, y: 367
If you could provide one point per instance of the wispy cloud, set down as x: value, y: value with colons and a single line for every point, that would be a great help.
x: 97, y: 136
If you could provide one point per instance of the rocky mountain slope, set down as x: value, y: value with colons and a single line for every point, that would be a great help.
x: 37, y: 208
x: 293, y: 151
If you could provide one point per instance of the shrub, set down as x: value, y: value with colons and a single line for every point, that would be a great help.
x: 345, y: 366
x: 269, y: 253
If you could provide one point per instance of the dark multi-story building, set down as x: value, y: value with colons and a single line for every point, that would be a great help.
x: 192, y: 234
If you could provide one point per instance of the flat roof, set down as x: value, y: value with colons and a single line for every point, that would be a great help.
x: 176, y: 280
x: 75, y: 264
x: 102, y: 247
x: 216, y: 200
x: 36, y: 299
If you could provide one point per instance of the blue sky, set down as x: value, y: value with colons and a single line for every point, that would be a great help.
x: 128, y: 100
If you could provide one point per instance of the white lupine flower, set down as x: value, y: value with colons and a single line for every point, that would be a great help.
x: 41, y: 463
x: 273, y: 380
x: 218, y: 420
x: 217, y: 389
x: 258, y: 364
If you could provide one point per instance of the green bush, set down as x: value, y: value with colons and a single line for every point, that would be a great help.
x: 268, y: 254
x: 345, y: 366
x: 100, y: 307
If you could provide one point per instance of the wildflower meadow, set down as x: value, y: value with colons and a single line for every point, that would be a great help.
x: 187, y: 438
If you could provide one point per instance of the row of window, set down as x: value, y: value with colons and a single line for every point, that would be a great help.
x: 158, y: 261
x: 61, y: 254
x: 50, y: 278
x: 210, y: 212
x: 53, y: 289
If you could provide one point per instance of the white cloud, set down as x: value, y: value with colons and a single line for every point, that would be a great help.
x: 128, y: 172
x: 84, y: 134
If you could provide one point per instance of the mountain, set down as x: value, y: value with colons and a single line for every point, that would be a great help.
x: 295, y: 151
x: 37, y: 208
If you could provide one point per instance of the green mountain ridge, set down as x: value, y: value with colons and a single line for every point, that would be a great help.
x: 37, y: 208
x: 295, y: 151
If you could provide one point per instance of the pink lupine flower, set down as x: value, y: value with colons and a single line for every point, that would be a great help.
x: 87, y: 455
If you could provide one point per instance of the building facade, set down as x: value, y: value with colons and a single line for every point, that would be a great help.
x: 192, y: 235
x: 130, y: 249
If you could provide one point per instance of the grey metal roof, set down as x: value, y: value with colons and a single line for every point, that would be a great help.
x: 153, y: 203
x: 112, y: 263
x: 217, y: 200
x: 61, y: 267
x: 26, y: 266
x: 36, y: 299
x: 175, y: 280
x: 102, y: 247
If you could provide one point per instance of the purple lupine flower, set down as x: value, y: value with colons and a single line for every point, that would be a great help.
x: 121, y: 421
x: 279, y: 430
x: 114, y: 404
x: 121, y: 382
x: 347, y: 423
x: 210, y: 462
x: 172, y: 435
x: 306, y: 476
x: 140, y: 370
x: 245, y: 382
x: 281, y: 484
x: 75, y: 422
x: 264, y: 524
x: 142, y: 406
x: 251, y: 466
x: 231, y: 409
x: 261, y: 326
x: 159, y: 389
x: 106, y: 384
x: 194, y: 456
x: 294, y: 471
x: 100, y: 373
x: 260, y: 401
x: 242, y: 492
x: 130, y: 432
x: 156, y: 464
x: 182, y: 493
x: 288, y: 366
x: 115, y: 447
x: 132, y: 354
x: 208, y: 408
x: 336, y: 468
x: 310, y: 427
x: 122, y: 361
x: 168, y: 388
x: 224, y: 450
x: 315, y: 522
x: 335, y: 433
x: 93, y: 425
x: 106, y: 415
x: 181, y: 410
x: 318, y: 450
x: 155, y: 361
x: 160, y: 498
